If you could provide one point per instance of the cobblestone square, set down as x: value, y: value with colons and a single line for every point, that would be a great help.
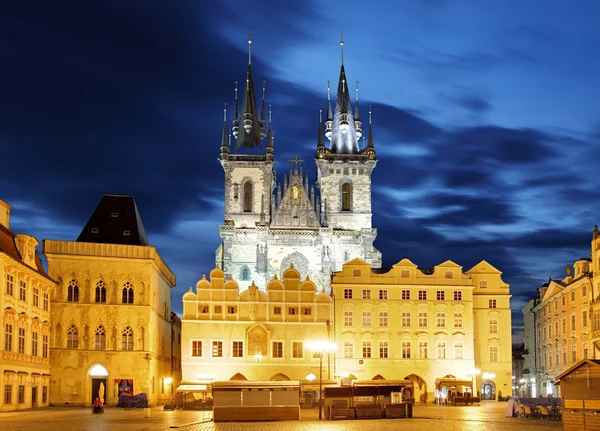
x: 487, y: 416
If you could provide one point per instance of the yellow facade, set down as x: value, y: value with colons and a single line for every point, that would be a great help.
x: 117, y: 326
x: 405, y: 323
x: 423, y: 325
x: 25, y: 328
x: 253, y: 335
x: 562, y: 325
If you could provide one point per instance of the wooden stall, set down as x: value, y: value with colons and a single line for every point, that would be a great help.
x: 256, y: 401
x: 368, y: 399
x: 451, y: 390
x: 580, y: 389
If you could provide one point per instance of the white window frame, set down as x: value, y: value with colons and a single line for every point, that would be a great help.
x: 212, y: 348
x: 282, y: 342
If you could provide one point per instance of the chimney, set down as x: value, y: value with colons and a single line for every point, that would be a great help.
x: 5, y: 214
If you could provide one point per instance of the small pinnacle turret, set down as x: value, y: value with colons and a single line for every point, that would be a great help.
x: 357, y: 122
x: 270, y: 148
x: 225, y: 137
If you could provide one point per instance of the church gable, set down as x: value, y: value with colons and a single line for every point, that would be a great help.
x: 297, y: 206
x: 483, y: 267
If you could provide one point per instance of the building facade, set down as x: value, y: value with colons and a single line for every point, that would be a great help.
x: 228, y: 334
x: 25, y: 291
x: 424, y: 325
x: 562, y: 324
x: 269, y: 226
x: 111, y: 311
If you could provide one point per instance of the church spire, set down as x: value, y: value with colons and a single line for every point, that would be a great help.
x: 224, y: 138
x: 343, y: 135
x: 251, y: 135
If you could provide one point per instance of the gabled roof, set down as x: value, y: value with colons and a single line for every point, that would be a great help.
x: 448, y: 264
x: 405, y: 262
x: 553, y: 289
x: 8, y: 246
x: 116, y: 220
x: 483, y: 267
x: 357, y: 261
x: 591, y: 362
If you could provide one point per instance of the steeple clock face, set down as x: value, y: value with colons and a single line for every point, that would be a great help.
x: 296, y: 192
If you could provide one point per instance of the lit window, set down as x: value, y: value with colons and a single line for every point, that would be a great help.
x: 366, y: 349
x: 441, y: 350
x: 238, y: 349
x: 277, y: 349
x: 493, y: 326
x: 422, y: 320
x: 440, y: 320
x: 197, y: 348
x: 348, y: 318
x: 127, y: 339
x: 458, y: 351
x: 405, y: 320
x: 423, y: 349
x: 458, y: 320
x: 383, y: 349
x: 493, y: 354
x: 348, y: 349
x: 100, y: 338
x: 383, y: 318
x: 297, y: 349
x: 217, y: 349
x: 72, y: 337
x: 366, y: 318
x: 406, y: 350
x: 366, y: 294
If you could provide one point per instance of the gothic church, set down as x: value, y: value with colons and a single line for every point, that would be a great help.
x: 270, y: 225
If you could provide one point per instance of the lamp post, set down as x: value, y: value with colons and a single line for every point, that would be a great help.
x: 320, y: 347
x: 474, y: 375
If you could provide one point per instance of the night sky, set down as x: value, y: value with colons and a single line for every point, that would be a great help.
x: 485, y: 119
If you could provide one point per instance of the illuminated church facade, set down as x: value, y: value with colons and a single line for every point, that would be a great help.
x: 270, y: 225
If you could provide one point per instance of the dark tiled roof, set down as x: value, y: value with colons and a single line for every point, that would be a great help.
x: 427, y: 271
x: 8, y: 246
x: 116, y: 220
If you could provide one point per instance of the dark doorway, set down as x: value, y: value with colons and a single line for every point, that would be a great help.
x: 96, y: 388
x: 34, y: 396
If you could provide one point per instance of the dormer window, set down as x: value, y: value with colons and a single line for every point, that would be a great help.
x: 126, y: 232
x: 114, y: 215
x: 95, y: 230
x: 448, y: 274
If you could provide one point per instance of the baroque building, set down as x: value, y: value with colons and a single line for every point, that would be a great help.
x: 562, y: 324
x: 269, y: 225
x: 111, y: 311
x: 25, y: 291
x: 425, y: 324
x: 253, y: 334
x: 411, y: 323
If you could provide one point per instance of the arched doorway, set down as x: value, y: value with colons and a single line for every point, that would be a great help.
x: 280, y: 377
x: 99, y: 376
x: 238, y: 376
x: 488, y: 390
x: 419, y: 390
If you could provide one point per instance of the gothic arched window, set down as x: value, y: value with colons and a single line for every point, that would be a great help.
x: 127, y: 293
x: 100, y: 338
x: 100, y: 292
x: 248, y: 196
x: 73, y: 291
x: 127, y: 339
x: 346, y: 196
x: 72, y: 337
x: 245, y: 275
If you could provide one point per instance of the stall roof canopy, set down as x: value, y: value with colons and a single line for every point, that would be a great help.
x: 241, y: 384
x: 382, y: 383
x: 452, y: 381
x: 194, y: 386
x: 589, y: 362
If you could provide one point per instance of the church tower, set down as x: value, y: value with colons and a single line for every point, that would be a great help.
x: 249, y: 171
x: 344, y: 170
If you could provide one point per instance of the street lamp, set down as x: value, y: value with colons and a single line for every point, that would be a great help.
x: 320, y: 347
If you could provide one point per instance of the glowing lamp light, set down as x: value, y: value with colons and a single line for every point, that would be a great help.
x: 168, y: 381
x: 311, y: 377
x: 488, y: 376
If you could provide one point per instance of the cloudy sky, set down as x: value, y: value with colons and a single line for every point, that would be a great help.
x: 485, y: 116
